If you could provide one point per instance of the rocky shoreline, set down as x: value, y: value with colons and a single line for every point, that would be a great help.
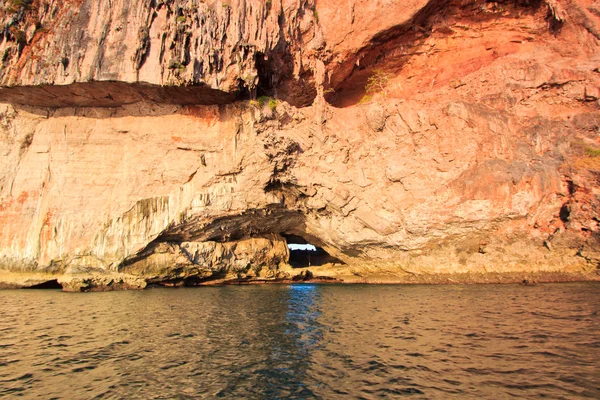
x: 101, y: 282
x: 420, y: 142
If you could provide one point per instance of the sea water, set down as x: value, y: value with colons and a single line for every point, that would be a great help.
x: 303, y: 341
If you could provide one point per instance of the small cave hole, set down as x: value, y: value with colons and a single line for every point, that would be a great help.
x: 52, y: 284
x: 565, y: 213
x: 304, y: 254
x: 571, y: 187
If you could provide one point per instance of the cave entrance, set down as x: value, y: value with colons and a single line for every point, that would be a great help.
x: 304, y: 254
x: 51, y: 284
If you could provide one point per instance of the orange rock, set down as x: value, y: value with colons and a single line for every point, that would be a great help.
x: 475, y: 149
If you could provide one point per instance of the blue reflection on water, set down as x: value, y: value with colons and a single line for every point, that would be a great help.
x: 291, y: 353
x: 302, y: 317
x: 278, y: 362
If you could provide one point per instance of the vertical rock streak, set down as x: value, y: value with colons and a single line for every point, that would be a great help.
x: 183, y: 142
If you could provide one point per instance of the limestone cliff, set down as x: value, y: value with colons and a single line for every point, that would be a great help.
x: 182, y: 142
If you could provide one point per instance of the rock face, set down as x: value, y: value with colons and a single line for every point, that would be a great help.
x: 204, y: 52
x: 412, y: 141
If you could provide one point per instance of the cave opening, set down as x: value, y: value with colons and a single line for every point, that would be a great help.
x: 305, y: 254
x: 51, y: 284
x: 565, y: 213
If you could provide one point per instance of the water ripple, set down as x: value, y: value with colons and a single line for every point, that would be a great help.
x: 303, y: 342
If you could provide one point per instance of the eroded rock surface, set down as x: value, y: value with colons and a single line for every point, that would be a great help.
x: 208, y: 51
x: 474, y: 154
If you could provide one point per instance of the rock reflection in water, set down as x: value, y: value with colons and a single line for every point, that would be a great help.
x: 303, y: 341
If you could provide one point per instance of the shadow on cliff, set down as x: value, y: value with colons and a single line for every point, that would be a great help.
x: 219, y: 112
x: 270, y: 222
x: 113, y: 94
x: 389, y: 51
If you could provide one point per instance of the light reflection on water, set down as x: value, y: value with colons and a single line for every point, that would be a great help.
x: 303, y: 341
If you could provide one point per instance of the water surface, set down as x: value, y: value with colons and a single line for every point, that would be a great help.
x: 303, y: 341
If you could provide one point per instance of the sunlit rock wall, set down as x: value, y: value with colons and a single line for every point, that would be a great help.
x: 452, y: 137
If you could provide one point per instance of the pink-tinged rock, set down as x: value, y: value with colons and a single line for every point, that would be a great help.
x: 475, y: 151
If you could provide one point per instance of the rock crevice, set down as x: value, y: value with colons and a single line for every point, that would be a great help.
x: 193, y: 156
